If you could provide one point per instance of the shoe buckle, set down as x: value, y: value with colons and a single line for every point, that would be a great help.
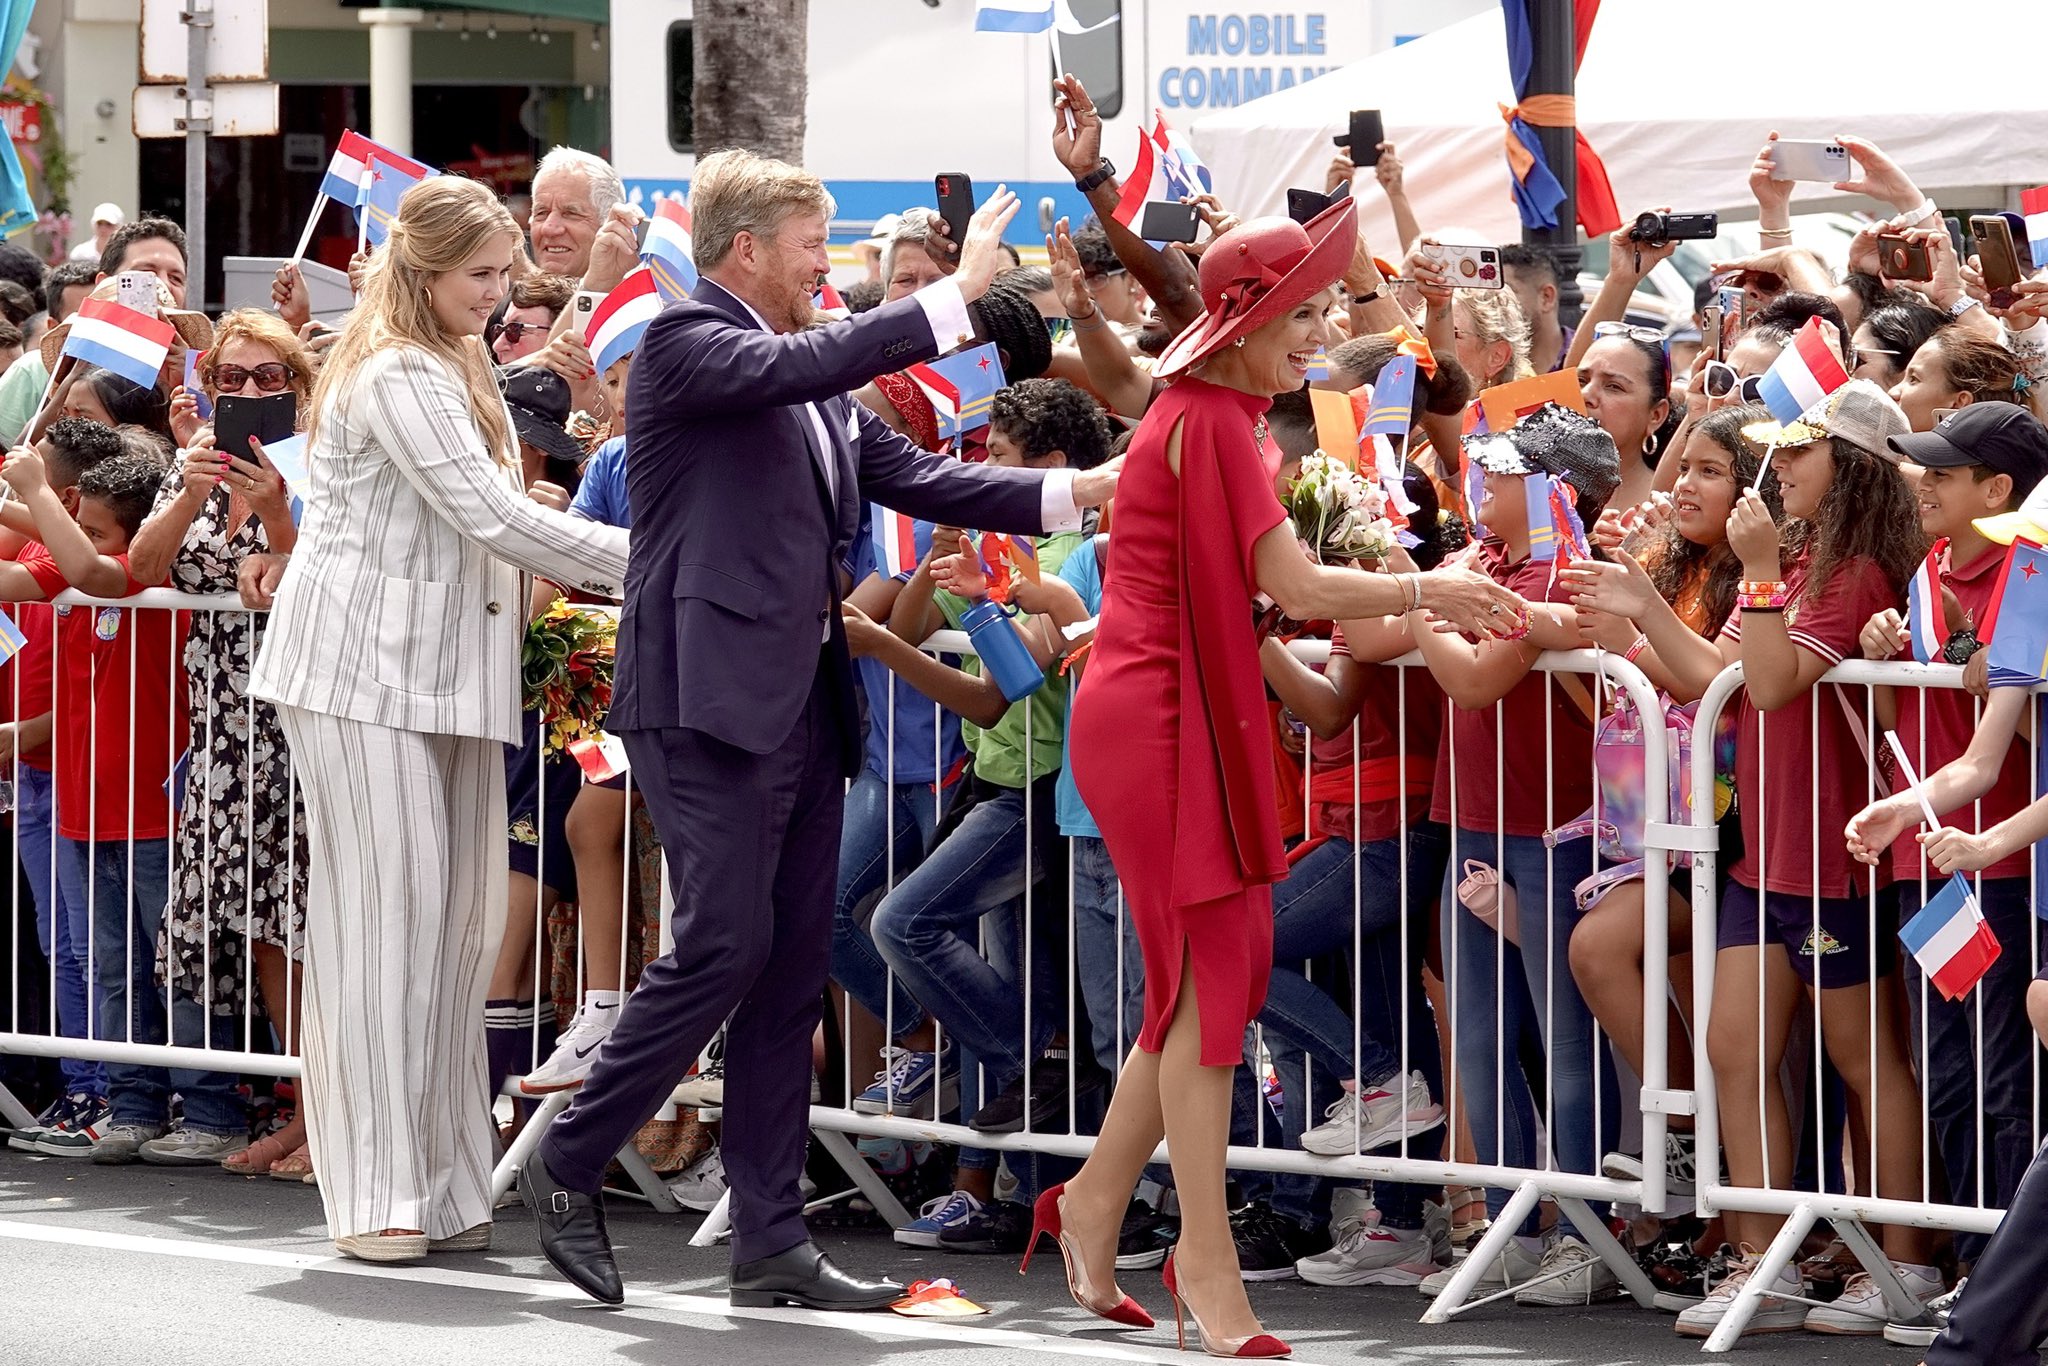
x: 559, y: 1202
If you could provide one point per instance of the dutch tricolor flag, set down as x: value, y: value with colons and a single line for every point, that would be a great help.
x: 2034, y: 208
x: 1951, y: 940
x: 618, y: 321
x: 131, y: 344
x: 1013, y: 16
x: 1806, y: 372
x: 1925, y: 619
x: 901, y: 542
x: 829, y: 305
x: 667, y: 252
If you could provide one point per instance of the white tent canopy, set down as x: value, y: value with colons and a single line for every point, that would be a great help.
x: 1676, y: 101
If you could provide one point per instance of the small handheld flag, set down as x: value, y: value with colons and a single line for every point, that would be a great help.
x: 1805, y: 372
x: 288, y: 458
x: 1564, y: 515
x: 204, y: 405
x: 1393, y: 399
x: 1925, y: 621
x: 1949, y: 938
x: 901, y: 542
x: 1319, y: 364
x: 1336, y: 424
x: 1185, y: 172
x: 2034, y: 208
x: 12, y: 640
x: 621, y: 317
x: 967, y: 382
x: 1013, y: 16
x: 1543, y: 531
x: 390, y: 176
x: 829, y: 305
x: 667, y: 251
x: 602, y: 759
x: 2016, y: 621
x: 1147, y: 181
x: 1506, y: 404
x: 115, y: 337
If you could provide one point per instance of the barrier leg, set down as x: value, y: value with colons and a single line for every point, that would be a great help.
x: 1451, y: 1302
x: 1901, y: 1305
x: 1608, y: 1248
x: 523, y: 1146
x: 648, y: 1180
x: 862, y: 1175
x: 716, y: 1224
x: 13, y: 1111
x: 1783, y: 1250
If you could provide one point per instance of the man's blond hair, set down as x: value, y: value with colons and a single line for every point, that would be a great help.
x: 735, y: 191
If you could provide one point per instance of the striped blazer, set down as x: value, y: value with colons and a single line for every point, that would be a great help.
x: 404, y: 603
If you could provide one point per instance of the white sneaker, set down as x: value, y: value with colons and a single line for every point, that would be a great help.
x: 1680, y: 1166
x: 1861, y: 1310
x: 1512, y: 1267
x: 700, y: 1185
x: 1571, y: 1273
x: 704, y: 1089
x: 190, y: 1148
x: 1371, y: 1255
x: 1373, y: 1117
x: 1924, y: 1334
x: 575, y: 1052
x: 1779, y: 1312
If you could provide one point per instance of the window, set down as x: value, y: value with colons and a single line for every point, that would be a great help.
x: 682, y: 73
x: 1098, y: 57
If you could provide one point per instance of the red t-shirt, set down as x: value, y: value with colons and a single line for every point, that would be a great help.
x: 1949, y: 716
x: 114, y: 661
x: 1539, y: 725
x: 29, y: 689
x: 1393, y: 764
x: 1819, y: 776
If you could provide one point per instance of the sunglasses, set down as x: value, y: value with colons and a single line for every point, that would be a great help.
x: 271, y: 377
x: 1722, y: 379
x: 514, y: 332
x: 1648, y: 335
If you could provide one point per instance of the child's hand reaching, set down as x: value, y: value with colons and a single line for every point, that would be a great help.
x: 959, y: 573
x: 23, y: 470
x: 1884, y: 635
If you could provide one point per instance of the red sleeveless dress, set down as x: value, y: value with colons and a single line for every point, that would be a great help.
x: 1169, y: 737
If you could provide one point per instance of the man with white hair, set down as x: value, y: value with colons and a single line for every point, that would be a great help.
x: 581, y: 225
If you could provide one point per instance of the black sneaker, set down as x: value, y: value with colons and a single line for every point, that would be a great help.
x: 1000, y: 1226
x: 1682, y: 1277
x: 1269, y: 1244
x: 1144, y: 1239
x: 1047, y: 1080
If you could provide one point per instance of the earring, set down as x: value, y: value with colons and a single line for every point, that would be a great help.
x: 1650, y: 446
x: 1238, y: 342
x: 429, y: 295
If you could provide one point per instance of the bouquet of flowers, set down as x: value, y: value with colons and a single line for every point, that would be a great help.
x: 1337, y: 512
x: 566, y: 665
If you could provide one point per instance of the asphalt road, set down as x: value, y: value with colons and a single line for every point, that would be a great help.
x: 198, y: 1268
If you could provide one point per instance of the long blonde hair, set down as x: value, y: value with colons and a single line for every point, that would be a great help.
x: 441, y: 223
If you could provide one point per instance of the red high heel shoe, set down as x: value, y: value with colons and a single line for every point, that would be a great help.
x: 1045, y: 1218
x: 1256, y: 1345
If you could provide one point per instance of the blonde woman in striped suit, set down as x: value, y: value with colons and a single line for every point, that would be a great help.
x: 393, y: 658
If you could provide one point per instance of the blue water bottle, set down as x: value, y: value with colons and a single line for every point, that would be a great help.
x: 1004, y: 657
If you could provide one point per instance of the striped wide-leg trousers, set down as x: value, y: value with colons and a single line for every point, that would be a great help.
x: 405, y: 908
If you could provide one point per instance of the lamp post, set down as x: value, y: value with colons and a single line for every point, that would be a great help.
x: 1553, y: 27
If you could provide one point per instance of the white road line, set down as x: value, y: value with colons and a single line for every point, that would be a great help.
x: 697, y: 1306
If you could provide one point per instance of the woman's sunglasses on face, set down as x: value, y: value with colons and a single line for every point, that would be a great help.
x: 271, y: 377
x: 515, y: 332
x: 1722, y: 379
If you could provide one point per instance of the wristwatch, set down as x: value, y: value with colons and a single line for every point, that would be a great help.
x: 1961, y: 306
x: 1099, y: 176
x: 1366, y: 297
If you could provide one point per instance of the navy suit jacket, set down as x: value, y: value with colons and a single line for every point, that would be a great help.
x: 733, y: 570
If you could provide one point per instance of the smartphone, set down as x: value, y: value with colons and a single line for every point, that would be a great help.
x: 136, y: 289
x: 1901, y: 258
x: 956, y: 207
x: 1997, y: 259
x: 1955, y: 236
x: 581, y: 309
x: 1733, y: 303
x: 1827, y: 161
x: 1162, y: 220
x: 237, y: 417
x: 1473, y: 267
x: 1365, y: 137
x: 1303, y: 205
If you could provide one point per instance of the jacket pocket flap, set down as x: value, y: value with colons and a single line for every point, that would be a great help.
x: 716, y: 586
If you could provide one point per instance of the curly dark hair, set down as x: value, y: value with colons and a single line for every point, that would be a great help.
x: 1098, y: 257
x: 862, y: 295
x: 127, y: 484
x: 73, y: 445
x: 1008, y: 318
x: 1047, y: 415
x: 1678, y: 563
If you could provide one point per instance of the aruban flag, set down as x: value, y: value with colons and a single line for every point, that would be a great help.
x: 1951, y: 940
x: 2034, y: 208
x: 1393, y: 399
x: 1013, y: 16
x: 999, y: 553
x: 1543, y: 528
x: 2016, y: 621
x: 901, y: 542
x: 288, y: 458
x: 386, y: 177
x: 962, y: 387
x: 114, y: 337
x: 11, y: 639
x: 829, y: 305
x: 1925, y: 621
x: 667, y: 251
x: 345, y: 168
x: 1184, y: 169
x: 1319, y: 364
x: 1806, y: 372
x: 616, y: 325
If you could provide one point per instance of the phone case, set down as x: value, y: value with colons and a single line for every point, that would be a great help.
x: 1473, y: 267
x: 1825, y: 161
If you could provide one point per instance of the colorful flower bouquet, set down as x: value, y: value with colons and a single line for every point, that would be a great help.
x: 566, y: 665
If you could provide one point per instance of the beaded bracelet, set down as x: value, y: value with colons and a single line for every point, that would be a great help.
x: 1750, y: 587
x: 1525, y: 621
x: 1636, y: 647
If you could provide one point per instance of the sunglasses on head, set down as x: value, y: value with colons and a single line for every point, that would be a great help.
x: 1722, y: 379
x: 271, y: 377
x: 515, y: 331
x: 1648, y: 335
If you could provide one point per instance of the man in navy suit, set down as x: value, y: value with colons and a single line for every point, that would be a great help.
x: 736, y: 694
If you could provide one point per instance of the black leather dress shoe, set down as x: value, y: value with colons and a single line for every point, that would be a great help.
x: 572, y: 1232
x: 804, y: 1276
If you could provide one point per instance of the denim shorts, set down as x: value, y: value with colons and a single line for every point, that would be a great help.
x: 1838, y: 952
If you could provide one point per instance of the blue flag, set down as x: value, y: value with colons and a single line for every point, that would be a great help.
x: 976, y: 374
x: 1393, y: 399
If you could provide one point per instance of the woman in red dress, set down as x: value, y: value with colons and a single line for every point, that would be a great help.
x: 1170, y: 748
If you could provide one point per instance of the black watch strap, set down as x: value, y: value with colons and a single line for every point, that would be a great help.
x: 1100, y: 175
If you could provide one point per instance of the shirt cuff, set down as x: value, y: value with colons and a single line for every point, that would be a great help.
x: 945, y: 309
x: 1057, y: 511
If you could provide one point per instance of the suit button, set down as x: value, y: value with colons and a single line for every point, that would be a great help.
x: 493, y: 608
x: 824, y: 614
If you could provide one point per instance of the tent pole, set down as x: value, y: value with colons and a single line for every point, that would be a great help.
x: 1552, y: 24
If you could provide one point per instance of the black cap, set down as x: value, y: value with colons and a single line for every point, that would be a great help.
x: 539, y: 400
x: 2000, y: 436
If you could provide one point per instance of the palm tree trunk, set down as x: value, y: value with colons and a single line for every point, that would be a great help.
x: 750, y: 78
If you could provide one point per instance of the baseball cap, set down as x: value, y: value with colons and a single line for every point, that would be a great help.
x: 1553, y: 440
x: 1859, y: 413
x: 539, y: 400
x: 2001, y: 436
x: 109, y: 213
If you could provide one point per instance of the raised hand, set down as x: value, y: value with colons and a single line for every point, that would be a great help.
x: 982, y: 255
x: 1079, y: 146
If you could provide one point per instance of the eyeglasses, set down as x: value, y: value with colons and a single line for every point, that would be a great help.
x: 514, y: 331
x: 1722, y: 379
x: 271, y: 377
x: 1648, y: 335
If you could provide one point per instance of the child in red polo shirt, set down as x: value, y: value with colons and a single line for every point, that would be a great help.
x: 1977, y: 463
x: 119, y: 721
x: 1800, y: 916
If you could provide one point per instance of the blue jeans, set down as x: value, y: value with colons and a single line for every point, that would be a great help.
x: 1106, y: 951
x: 867, y: 843
x: 1534, y: 1001
x: 61, y: 927
x: 126, y: 908
x: 927, y: 928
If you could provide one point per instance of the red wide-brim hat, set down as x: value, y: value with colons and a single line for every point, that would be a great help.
x: 1257, y: 271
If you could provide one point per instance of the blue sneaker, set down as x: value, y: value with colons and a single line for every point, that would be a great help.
x: 905, y: 1083
x: 939, y: 1214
